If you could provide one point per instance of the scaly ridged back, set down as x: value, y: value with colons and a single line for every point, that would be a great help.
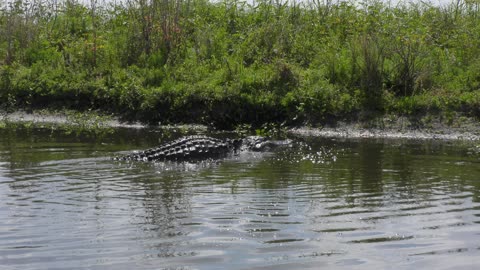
x: 190, y: 147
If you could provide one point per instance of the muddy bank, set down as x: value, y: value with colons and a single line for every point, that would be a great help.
x: 456, y: 128
x: 350, y: 132
x: 65, y: 118
x: 71, y: 118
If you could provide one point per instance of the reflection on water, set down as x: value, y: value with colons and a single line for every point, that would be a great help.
x: 337, y: 204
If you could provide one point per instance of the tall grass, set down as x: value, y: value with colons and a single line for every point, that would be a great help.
x: 230, y: 62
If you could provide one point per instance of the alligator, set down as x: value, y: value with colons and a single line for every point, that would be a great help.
x: 195, y: 148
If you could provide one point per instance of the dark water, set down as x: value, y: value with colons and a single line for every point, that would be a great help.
x: 329, y: 204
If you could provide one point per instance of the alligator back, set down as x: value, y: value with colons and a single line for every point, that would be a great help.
x: 186, y: 148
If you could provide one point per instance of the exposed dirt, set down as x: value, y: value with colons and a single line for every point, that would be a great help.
x: 455, y: 128
x: 62, y: 118
x: 425, y: 127
x: 87, y: 119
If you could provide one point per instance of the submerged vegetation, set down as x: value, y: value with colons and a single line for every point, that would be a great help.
x: 227, y: 63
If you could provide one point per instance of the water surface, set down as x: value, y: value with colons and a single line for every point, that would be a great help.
x: 326, y: 204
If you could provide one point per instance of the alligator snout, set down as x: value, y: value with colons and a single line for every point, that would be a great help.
x: 272, y: 144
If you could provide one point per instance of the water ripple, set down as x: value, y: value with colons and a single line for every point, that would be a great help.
x: 344, y: 204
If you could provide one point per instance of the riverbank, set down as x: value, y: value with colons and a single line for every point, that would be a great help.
x: 465, y: 129
x: 228, y: 63
x: 90, y: 123
x: 393, y: 127
x: 43, y: 117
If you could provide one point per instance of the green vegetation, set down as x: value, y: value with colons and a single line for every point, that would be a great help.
x: 228, y: 63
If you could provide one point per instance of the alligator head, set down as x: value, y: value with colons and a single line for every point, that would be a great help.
x: 259, y: 143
